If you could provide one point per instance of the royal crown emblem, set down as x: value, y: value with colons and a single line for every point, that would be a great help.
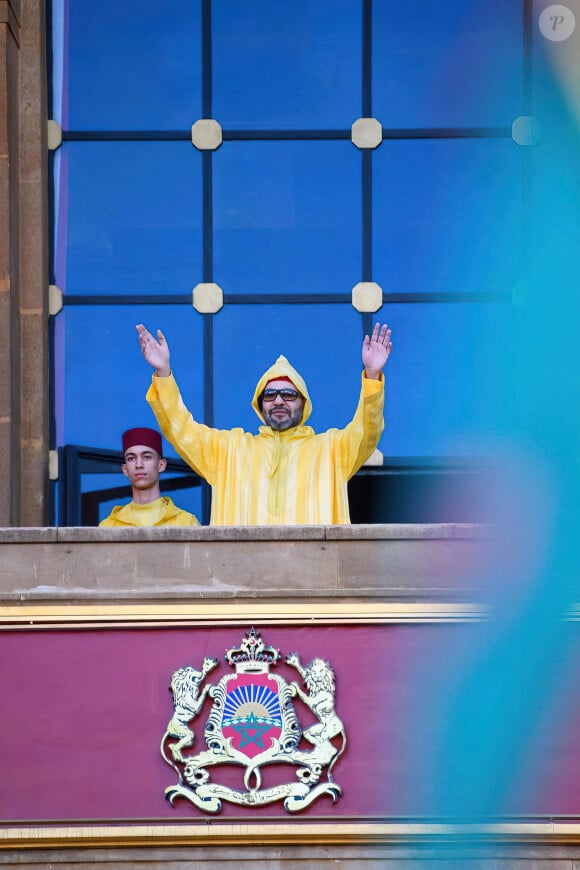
x: 253, y: 723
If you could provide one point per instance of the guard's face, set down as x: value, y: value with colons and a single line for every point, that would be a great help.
x: 282, y: 405
x: 143, y: 466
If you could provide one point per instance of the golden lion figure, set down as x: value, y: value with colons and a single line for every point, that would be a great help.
x: 187, y: 702
x: 318, y: 677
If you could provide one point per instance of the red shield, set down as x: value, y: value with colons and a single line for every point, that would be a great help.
x: 252, y: 715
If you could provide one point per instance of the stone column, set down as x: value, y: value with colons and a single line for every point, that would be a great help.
x: 23, y: 265
x: 34, y: 359
x: 9, y: 263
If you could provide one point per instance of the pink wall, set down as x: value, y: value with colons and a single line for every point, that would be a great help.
x: 83, y: 714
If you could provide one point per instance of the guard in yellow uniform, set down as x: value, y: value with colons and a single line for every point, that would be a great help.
x: 143, y: 455
x: 286, y: 474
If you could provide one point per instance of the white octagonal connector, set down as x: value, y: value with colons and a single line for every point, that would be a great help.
x: 208, y: 298
x: 526, y: 130
x: 367, y: 296
x: 366, y: 133
x: 55, y: 299
x: 53, y: 135
x: 206, y: 134
x: 376, y: 458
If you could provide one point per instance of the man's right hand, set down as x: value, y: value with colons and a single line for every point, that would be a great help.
x: 155, y: 350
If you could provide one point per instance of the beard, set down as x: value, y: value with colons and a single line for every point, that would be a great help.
x: 281, y: 423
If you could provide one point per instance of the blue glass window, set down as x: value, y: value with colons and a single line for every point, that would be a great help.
x: 438, y: 377
x: 130, y: 65
x: 447, y: 215
x: 284, y: 215
x: 452, y: 64
x: 286, y: 65
x: 129, y: 217
x: 287, y: 217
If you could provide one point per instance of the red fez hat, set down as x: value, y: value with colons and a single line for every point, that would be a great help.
x: 143, y: 437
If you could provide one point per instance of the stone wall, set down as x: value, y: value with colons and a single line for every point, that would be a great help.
x: 50, y: 578
x: 402, y: 562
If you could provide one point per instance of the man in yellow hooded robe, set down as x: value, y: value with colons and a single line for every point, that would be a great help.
x: 286, y: 474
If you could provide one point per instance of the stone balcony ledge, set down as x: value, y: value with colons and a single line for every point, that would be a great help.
x: 382, y: 562
x: 393, y: 531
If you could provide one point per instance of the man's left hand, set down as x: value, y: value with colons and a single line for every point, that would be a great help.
x: 376, y: 351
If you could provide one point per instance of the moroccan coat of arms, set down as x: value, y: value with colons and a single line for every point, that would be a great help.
x: 253, y: 723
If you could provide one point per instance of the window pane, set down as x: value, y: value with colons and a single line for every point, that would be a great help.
x: 129, y: 217
x: 130, y: 65
x: 447, y: 215
x: 287, y: 217
x: 452, y: 64
x: 286, y: 65
x: 437, y: 386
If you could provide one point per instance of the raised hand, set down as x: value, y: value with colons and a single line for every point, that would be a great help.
x: 376, y: 351
x: 155, y: 350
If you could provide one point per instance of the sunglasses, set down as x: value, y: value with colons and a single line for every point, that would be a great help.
x: 287, y: 395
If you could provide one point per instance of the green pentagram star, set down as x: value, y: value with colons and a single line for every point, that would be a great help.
x: 251, y: 731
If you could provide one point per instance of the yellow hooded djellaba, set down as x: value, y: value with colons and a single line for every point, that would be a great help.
x: 290, y: 477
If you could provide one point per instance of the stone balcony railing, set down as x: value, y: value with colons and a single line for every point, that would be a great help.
x: 388, y: 562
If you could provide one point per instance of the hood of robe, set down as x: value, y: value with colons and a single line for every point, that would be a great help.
x: 283, y: 369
